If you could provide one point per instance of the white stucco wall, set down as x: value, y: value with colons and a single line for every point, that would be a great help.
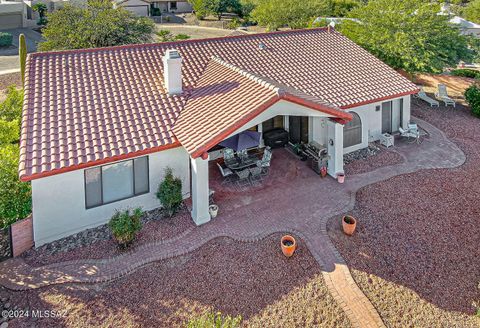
x: 59, y: 200
x: 372, y: 120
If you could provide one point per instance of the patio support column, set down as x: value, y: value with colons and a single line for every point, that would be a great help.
x: 335, y: 148
x: 200, y: 190
x: 260, y: 129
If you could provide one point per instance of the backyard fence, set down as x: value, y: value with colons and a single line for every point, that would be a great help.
x: 16, y: 239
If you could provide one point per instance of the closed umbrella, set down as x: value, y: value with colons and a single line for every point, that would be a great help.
x: 242, y: 140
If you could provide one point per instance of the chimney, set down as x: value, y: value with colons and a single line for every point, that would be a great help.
x: 172, y: 71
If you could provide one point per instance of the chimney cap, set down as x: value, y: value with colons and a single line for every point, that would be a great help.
x: 172, y: 54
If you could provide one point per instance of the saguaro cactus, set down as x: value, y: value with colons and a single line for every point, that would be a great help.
x: 22, y: 53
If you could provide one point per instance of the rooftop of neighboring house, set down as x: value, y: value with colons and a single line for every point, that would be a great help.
x: 92, y: 106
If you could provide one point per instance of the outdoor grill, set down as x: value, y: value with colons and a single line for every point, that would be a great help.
x: 276, y: 138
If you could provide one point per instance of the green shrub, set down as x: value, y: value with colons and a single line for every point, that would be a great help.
x: 182, y: 37
x: 170, y: 192
x: 234, y: 24
x: 472, y: 95
x: 215, y: 320
x: 156, y: 12
x: 5, y: 39
x: 473, y: 74
x: 15, y: 196
x: 125, y: 225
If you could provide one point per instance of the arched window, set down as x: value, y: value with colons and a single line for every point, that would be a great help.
x: 352, y: 131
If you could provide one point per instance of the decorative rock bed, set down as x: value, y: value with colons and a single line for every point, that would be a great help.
x: 369, y: 159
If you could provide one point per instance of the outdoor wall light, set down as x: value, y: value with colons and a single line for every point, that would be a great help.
x: 330, y: 141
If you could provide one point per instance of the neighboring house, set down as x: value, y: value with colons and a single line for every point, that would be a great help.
x: 467, y: 27
x: 146, y: 7
x: 13, y: 14
x: 19, y: 13
x: 101, y: 125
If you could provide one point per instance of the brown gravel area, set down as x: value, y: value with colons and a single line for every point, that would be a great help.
x: 415, y: 253
x: 253, y: 280
x: 161, y: 229
x: 384, y: 158
x: 9, y: 79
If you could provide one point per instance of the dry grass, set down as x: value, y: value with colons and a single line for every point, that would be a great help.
x: 400, y: 306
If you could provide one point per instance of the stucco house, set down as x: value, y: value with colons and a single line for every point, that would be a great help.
x: 145, y: 7
x: 101, y: 125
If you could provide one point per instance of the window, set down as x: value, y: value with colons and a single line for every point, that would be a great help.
x: 352, y: 131
x: 275, y: 122
x: 173, y: 5
x: 113, y: 182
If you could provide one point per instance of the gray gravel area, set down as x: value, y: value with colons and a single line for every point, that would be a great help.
x: 421, y: 232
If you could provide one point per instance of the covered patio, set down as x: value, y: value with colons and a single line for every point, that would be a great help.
x: 243, y: 101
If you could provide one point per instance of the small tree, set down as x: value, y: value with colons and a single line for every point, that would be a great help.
x: 125, y: 225
x: 170, y: 192
x: 41, y: 9
x: 95, y: 25
x: 472, y: 95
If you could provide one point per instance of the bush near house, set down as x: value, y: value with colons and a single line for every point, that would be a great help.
x: 170, y: 193
x: 5, y: 39
x: 125, y: 225
x: 15, y: 196
x: 472, y: 95
x: 471, y: 73
x: 209, y: 320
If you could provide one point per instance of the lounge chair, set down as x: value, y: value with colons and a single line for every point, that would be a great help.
x: 423, y: 96
x: 442, y: 95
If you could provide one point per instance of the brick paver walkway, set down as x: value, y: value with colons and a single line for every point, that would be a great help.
x: 300, y: 206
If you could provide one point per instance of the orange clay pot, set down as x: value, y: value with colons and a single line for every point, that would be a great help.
x: 289, y: 245
x: 349, y: 223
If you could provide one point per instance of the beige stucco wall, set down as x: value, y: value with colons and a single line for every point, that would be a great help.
x: 59, y: 200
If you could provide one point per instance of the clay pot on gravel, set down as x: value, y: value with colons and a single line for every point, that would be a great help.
x: 213, y: 209
x: 289, y: 245
x: 341, y: 177
x: 349, y: 223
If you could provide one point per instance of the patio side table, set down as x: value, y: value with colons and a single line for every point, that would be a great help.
x: 386, y: 139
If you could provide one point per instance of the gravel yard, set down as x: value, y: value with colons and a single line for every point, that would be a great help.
x: 253, y: 280
x: 415, y: 253
x: 98, y: 244
x: 369, y: 161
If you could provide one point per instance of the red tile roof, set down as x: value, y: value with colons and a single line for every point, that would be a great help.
x: 227, y: 97
x: 86, y: 107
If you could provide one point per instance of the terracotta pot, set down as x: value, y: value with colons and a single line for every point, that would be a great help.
x: 289, y: 245
x: 349, y: 223
x: 341, y: 178
x: 323, y: 171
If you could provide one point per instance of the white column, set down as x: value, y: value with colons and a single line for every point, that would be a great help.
x: 260, y: 130
x: 335, y: 148
x: 200, y: 191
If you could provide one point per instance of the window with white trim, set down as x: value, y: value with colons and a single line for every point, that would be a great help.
x: 114, y: 182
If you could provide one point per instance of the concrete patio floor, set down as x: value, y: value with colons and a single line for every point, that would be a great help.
x: 293, y: 199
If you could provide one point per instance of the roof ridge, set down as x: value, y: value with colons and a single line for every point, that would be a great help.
x: 189, y: 41
x: 263, y: 81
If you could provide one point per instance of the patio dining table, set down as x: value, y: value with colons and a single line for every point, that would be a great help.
x: 240, y: 164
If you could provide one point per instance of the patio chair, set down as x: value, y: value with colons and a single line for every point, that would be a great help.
x: 243, y: 154
x: 226, y: 173
x: 264, y: 163
x: 229, y: 156
x: 243, y: 178
x: 255, y: 174
x: 442, y: 95
x: 423, y: 96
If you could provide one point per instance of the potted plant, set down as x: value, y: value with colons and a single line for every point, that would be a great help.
x: 289, y: 245
x: 349, y: 223
x: 125, y: 225
x: 341, y: 177
x: 213, y: 209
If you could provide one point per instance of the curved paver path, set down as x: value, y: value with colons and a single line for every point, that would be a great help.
x: 300, y: 206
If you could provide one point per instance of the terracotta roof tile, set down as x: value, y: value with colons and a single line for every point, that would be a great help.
x: 86, y: 107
